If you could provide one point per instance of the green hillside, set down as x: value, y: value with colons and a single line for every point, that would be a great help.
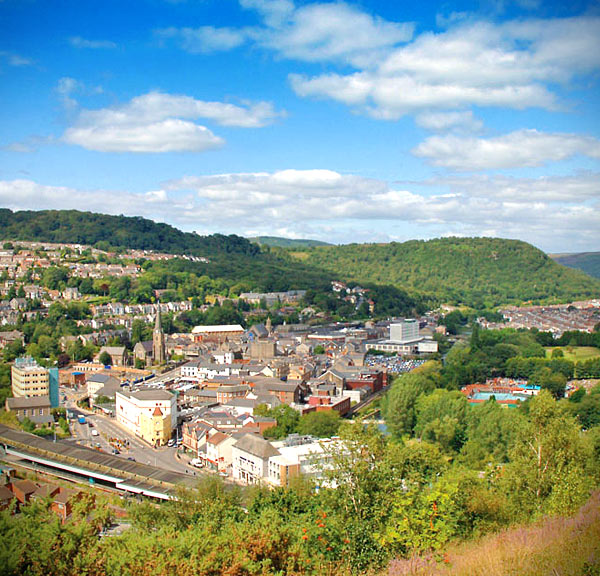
x: 232, y: 259
x: 479, y: 272
x: 279, y: 242
x: 588, y: 262
x: 116, y: 231
x: 474, y: 271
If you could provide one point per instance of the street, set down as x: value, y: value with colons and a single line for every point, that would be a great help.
x: 164, y: 457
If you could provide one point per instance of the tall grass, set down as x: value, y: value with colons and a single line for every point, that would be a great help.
x: 555, y: 547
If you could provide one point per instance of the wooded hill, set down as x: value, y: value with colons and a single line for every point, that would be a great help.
x: 588, y: 262
x: 279, y: 242
x: 478, y: 272
x: 73, y: 226
x: 231, y: 258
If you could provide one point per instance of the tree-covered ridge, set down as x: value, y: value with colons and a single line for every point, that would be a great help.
x: 480, y: 272
x: 279, y: 242
x: 588, y: 262
x: 73, y: 226
x: 232, y: 259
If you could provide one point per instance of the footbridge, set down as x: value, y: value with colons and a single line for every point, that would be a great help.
x: 93, y: 466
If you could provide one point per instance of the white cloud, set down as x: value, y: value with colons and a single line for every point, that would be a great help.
x: 514, y: 64
x: 68, y: 87
x: 311, y: 32
x: 171, y: 135
x: 80, y: 42
x: 158, y: 122
x: 274, y: 12
x: 449, y: 121
x: 15, y: 60
x: 574, y: 190
x: 65, y: 88
x: 205, y: 39
x: 327, y: 32
x: 553, y: 213
x: 523, y: 148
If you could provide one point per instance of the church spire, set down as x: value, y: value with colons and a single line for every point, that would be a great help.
x: 157, y: 323
x: 158, y: 340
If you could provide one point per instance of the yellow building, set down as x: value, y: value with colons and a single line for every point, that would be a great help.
x: 29, y: 379
x: 150, y: 414
x: 155, y: 428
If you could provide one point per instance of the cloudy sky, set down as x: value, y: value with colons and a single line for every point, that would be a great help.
x: 354, y: 121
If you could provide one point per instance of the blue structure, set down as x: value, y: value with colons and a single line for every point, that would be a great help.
x: 53, y: 386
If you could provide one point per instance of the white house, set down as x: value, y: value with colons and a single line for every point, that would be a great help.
x: 150, y: 414
x: 250, y: 458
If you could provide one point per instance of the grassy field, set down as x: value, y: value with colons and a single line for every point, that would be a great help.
x: 575, y: 353
x: 555, y: 546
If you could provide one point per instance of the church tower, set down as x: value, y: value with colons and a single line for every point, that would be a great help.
x: 158, y: 340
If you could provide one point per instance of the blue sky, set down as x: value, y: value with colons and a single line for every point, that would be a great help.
x: 340, y: 121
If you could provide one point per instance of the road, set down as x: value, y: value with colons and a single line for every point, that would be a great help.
x: 107, y: 428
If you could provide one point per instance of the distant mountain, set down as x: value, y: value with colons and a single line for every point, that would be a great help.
x: 474, y: 271
x: 588, y: 262
x: 279, y: 242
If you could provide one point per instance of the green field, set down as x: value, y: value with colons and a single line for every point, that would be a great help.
x: 575, y: 353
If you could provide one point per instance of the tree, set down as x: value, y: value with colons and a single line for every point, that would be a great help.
x: 399, y: 404
x: 554, y: 382
x: 441, y: 418
x: 320, y: 424
x: 12, y: 350
x: 587, y: 409
x: 399, y: 407
x: 547, y: 464
x: 105, y: 358
x: 491, y: 433
x: 287, y: 421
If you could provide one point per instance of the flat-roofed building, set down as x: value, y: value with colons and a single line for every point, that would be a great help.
x: 405, y: 331
x: 148, y: 413
x: 29, y: 380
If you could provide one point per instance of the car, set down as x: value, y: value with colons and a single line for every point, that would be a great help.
x: 130, y: 458
x: 115, y: 451
x: 95, y: 432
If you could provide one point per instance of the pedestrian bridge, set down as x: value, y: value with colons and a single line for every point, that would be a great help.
x: 94, y: 466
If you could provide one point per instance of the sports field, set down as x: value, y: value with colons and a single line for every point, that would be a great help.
x: 575, y: 353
